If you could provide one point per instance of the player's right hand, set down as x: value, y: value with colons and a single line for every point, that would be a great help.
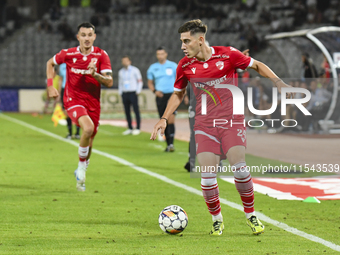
x: 159, y: 93
x: 52, y: 92
x: 161, y: 125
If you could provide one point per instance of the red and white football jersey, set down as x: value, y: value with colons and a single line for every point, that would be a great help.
x: 220, y: 68
x: 81, y: 88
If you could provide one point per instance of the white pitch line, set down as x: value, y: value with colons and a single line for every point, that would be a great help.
x: 181, y: 185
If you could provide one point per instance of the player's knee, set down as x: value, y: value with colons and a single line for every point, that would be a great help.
x: 88, y: 130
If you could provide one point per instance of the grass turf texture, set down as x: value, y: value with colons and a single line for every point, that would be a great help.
x: 42, y: 213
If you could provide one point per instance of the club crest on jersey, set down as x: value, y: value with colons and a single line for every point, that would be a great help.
x: 205, y: 65
x: 193, y: 70
x: 84, y: 58
x: 74, y: 60
x: 94, y: 60
x: 220, y: 65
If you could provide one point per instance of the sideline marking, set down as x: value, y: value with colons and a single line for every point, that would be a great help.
x: 181, y: 185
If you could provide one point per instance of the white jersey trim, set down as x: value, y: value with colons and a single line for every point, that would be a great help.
x: 92, y: 50
x: 106, y: 70
x: 251, y: 62
x: 200, y: 132
x: 176, y: 89
x: 78, y: 105
x: 54, y: 60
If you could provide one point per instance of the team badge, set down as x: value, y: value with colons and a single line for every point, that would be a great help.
x: 74, y: 60
x: 220, y: 65
x: 169, y: 71
x: 205, y: 65
x: 84, y: 58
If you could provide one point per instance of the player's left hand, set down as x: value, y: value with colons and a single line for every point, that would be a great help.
x: 161, y: 125
x: 281, y: 84
x: 246, y: 52
x: 92, y: 67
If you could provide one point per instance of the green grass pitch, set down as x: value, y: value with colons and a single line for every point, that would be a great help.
x: 41, y: 212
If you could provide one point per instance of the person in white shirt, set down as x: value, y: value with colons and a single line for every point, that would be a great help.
x: 130, y: 84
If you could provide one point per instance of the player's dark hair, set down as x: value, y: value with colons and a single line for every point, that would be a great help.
x: 161, y: 48
x: 193, y: 26
x: 126, y: 56
x: 86, y: 25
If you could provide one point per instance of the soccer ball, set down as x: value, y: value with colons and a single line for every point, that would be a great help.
x: 173, y: 219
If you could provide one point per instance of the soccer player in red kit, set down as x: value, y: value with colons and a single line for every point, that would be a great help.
x: 205, y: 67
x: 87, y: 68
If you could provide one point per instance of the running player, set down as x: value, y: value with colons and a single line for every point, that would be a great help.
x: 87, y: 68
x: 205, y: 67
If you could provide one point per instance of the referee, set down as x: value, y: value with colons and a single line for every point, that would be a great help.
x: 130, y: 84
x: 161, y: 78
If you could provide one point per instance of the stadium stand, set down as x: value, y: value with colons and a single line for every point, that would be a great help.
x: 137, y: 28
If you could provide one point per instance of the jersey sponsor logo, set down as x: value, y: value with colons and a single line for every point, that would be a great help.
x: 193, y: 70
x: 205, y: 65
x: 220, y: 65
x: 216, y: 56
x: 211, y: 83
x: 80, y: 71
x: 188, y: 63
x: 74, y: 60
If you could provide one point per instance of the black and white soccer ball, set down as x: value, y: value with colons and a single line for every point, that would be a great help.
x: 173, y: 219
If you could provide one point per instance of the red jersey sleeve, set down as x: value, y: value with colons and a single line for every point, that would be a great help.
x: 59, y: 58
x: 105, y: 64
x: 238, y: 59
x: 181, y: 80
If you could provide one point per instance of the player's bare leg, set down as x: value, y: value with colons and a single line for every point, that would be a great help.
x: 87, y: 127
x: 244, y: 186
x: 90, y: 151
x: 210, y: 189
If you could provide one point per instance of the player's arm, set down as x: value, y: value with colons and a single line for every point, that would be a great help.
x: 265, y: 71
x: 105, y: 78
x: 51, y: 91
x: 173, y: 103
